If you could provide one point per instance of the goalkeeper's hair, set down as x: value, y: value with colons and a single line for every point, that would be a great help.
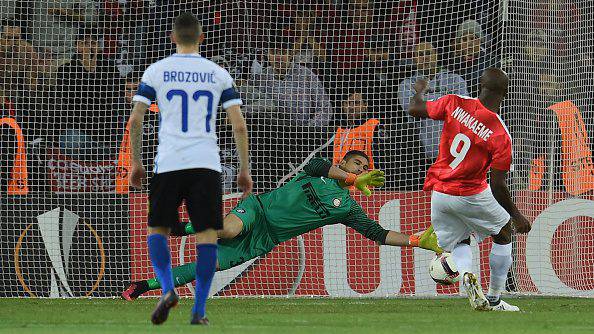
x: 187, y: 29
x: 355, y: 153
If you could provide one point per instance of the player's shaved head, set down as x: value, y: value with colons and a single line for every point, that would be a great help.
x: 187, y: 29
x: 495, y: 81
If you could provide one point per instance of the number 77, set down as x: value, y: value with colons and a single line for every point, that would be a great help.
x: 196, y: 96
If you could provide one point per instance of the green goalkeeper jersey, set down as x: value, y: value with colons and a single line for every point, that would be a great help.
x: 311, y: 200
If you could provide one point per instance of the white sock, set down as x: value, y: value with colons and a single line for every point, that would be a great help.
x: 462, y: 256
x: 500, y: 261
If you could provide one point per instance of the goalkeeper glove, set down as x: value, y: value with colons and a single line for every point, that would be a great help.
x: 426, y: 239
x: 374, y: 178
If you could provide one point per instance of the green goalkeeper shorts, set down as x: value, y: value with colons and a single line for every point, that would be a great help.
x: 254, y: 239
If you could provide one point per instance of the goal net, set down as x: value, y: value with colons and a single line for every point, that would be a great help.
x: 318, y: 78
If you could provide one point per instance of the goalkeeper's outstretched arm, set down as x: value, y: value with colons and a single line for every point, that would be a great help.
x: 360, y: 222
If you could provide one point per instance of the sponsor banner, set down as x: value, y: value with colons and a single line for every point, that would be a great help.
x: 73, y: 176
x: 555, y: 258
x: 75, y: 246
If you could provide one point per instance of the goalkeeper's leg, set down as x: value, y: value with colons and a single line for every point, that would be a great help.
x: 232, y: 226
x: 186, y: 273
x: 181, y: 276
x: 230, y: 254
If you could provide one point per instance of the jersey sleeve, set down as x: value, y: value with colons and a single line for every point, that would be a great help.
x: 317, y: 167
x: 230, y: 95
x: 360, y: 222
x: 146, y: 92
x: 501, y: 150
x: 437, y: 108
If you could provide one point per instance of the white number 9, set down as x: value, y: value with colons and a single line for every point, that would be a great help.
x: 459, y: 155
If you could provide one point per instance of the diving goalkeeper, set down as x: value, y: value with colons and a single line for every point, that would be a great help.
x: 316, y: 197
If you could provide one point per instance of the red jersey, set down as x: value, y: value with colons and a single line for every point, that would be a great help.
x: 473, y: 139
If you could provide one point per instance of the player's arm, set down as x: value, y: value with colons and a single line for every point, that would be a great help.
x: 318, y: 167
x: 137, y: 172
x: 418, y: 104
x: 145, y: 95
x: 501, y: 159
x: 240, y: 134
x: 503, y: 197
x: 360, y: 222
x: 231, y: 103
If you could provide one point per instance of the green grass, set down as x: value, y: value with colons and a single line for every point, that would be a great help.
x: 284, y: 316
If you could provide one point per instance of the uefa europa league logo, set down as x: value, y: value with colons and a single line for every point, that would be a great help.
x: 58, y: 247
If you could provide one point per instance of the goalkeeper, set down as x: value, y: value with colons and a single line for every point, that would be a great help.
x: 316, y: 197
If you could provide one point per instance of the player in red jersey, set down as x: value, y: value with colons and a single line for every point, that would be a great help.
x: 474, y: 139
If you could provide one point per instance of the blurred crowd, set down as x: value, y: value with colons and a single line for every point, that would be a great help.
x: 317, y: 77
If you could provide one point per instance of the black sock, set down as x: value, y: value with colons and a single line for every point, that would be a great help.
x: 141, y: 287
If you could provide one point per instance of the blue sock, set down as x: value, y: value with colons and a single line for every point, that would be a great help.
x: 161, y: 259
x: 205, y: 269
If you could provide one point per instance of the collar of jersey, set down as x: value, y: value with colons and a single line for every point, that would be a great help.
x: 189, y: 55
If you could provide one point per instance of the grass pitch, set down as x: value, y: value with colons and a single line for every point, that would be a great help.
x: 284, y: 316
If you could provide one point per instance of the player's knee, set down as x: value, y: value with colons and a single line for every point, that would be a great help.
x: 228, y: 233
x: 159, y: 230
x: 208, y: 236
x: 504, y: 236
x: 231, y: 228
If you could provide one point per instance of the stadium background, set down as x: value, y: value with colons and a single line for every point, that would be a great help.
x: 73, y: 228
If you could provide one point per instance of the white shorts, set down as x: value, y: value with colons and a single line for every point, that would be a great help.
x: 455, y: 218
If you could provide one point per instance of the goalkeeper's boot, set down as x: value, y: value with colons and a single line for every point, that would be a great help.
x: 477, y: 298
x: 134, y: 290
x: 500, y: 305
x: 198, y: 320
x: 161, y: 312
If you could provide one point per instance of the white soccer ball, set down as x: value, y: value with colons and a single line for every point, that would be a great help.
x: 443, y: 269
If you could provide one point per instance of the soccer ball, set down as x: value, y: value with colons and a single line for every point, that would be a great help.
x: 443, y: 269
